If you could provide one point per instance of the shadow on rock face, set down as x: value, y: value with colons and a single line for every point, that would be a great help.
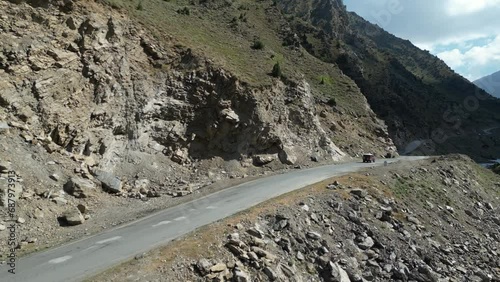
x: 62, y: 221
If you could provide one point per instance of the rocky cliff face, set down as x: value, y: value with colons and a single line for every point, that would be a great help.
x: 99, y: 85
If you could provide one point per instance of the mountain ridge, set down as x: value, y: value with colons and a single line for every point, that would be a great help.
x: 490, y: 84
x: 413, y: 91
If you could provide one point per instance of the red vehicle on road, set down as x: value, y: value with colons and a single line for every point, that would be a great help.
x: 368, y: 158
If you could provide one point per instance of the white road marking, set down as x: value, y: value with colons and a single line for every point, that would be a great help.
x: 89, y: 248
x: 162, y: 223
x: 211, y: 208
x: 109, y: 240
x: 180, y: 218
x: 59, y: 260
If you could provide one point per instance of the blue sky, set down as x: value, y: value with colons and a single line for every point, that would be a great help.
x: 463, y: 33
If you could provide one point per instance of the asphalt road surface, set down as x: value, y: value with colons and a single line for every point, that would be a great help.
x: 81, y: 259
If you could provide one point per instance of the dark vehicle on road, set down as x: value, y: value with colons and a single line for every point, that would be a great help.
x: 368, y: 158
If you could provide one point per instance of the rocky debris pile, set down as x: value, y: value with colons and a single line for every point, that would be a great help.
x: 230, y: 271
x: 360, y: 234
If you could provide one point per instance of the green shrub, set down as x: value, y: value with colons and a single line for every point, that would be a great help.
x: 184, y: 11
x: 325, y: 80
x: 243, y: 17
x: 332, y: 102
x: 139, y: 6
x: 276, y: 70
x: 258, y: 45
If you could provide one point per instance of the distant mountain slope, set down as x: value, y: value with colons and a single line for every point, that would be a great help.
x: 490, y: 84
x: 415, y: 93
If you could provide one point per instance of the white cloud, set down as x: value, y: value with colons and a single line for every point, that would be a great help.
x: 473, y: 59
x: 482, y: 55
x: 462, y: 7
x: 454, y: 58
x: 424, y: 46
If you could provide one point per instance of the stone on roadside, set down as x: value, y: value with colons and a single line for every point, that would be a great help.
x: 359, y: 192
x: 203, y: 266
x: 287, y: 156
x: 73, y: 217
x: 261, y: 160
x: 219, y: 267
x: 79, y: 187
x: 256, y: 232
x: 109, y: 181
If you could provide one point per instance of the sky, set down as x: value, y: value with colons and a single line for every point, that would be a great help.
x: 463, y: 33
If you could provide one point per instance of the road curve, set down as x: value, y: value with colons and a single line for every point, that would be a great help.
x: 80, y: 259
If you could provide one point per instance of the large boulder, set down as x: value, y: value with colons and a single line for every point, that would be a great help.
x: 109, y: 181
x: 73, y: 217
x: 79, y: 187
x: 287, y: 156
x: 260, y: 160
